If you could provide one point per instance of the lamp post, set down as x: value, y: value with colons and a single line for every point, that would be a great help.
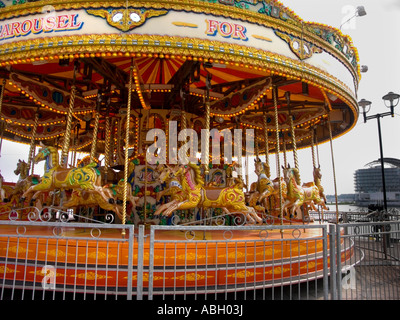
x: 393, y: 99
x: 360, y: 12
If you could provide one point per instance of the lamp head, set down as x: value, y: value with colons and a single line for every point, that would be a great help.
x: 360, y: 11
x: 393, y: 99
x: 366, y: 105
x: 364, y: 68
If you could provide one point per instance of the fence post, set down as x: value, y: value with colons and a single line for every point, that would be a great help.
x: 151, y: 263
x: 338, y: 263
x: 130, y: 266
x: 139, y: 285
x: 332, y: 259
x: 325, y: 262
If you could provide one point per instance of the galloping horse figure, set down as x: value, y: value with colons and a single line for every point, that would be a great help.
x: 194, y: 194
x: 299, y: 195
x: 261, y: 189
x: 55, y: 177
x: 317, y: 180
x: 90, y: 198
x: 24, y: 180
x: 181, y: 196
x: 271, y: 188
x: 2, y: 191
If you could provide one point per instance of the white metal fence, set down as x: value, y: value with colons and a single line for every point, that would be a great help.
x: 58, y: 260
x: 257, y: 262
x: 373, y: 272
x: 64, y: 260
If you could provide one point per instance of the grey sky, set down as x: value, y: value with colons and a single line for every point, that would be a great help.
x: 376, y: 38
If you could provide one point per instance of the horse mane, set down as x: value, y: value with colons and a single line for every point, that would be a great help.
x: 266, y: 169
x: 197, y: 174
x: 296, y: 174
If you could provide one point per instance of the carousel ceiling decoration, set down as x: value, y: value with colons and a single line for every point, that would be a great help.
x: 238, y: 102
x: 49, y: 97
x: 126, y: 19
x: 232, y: 54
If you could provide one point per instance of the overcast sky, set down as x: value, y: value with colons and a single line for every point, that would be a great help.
x: 376, y: 37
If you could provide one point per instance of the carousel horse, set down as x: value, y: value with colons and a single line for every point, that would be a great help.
x: 312, y: 187
x: 230, y: 179
x: 275, y: 193
x: 317, y: 180
x: 263, y: 188
x: 55, y: 177
x: 113, y: 192
x: 24, y: 180
x: 273, y: 186
x: 299, y: 195
x: 168, y: 176
x: 2, y: 191
x: 181, y: 197
x: 195, y: 194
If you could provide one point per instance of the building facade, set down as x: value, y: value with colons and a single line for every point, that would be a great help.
x: 368, y: 183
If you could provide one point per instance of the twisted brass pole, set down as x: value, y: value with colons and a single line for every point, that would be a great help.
x: 107, y: 147
x: 278, y: 164
x: 294, y: 143
x: 266, y: 145
x: 333, y: 167
x: 67, y: 135
x: 95, y: 131
x: 3, y: 86
x: 208, y: 112
x: 126, y: 165
x: 32, y: 146
x: 284, y: 149
x: 312, y: 147
x: 1, y: 105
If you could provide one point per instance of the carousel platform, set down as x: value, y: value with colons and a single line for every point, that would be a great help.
x: 204, y: 260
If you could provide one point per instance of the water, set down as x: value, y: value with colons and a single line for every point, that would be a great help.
x: 354, y: 208
x: 347, y: 207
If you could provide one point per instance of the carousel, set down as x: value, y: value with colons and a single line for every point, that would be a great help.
x: 150, y: 112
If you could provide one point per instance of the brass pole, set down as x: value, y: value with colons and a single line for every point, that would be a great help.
x: 294, y: 143
x: 32, y: 146
x: 266, y: 145
x: 95, y: 130
x: 208, y: 112
x: 107, y: 148
x: 333, y: 167
x: 2, y: 128
x: 3, y: 87
x: 67, y: 135
x: 312, y: 147
x: 284, y: 149
x: 126, y: 165
x: 278, y: 164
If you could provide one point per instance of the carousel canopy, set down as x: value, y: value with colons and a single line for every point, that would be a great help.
x: 234, y: 54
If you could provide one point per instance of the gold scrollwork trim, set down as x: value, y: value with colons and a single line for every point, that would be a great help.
x: 295, y: 25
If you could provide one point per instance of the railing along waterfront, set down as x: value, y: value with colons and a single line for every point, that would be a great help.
x: 45, y: 259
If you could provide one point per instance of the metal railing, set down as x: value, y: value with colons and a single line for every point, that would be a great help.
x: 68, y: 260
x: 246, y: 262
x: 58, y: 260
x: 373, y: 272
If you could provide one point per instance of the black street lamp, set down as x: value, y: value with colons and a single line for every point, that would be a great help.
x: 393, y: 100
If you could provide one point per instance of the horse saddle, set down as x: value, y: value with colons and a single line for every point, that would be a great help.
x: 212, y: 193
x: 61, y: 174
x: 309, y: 184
